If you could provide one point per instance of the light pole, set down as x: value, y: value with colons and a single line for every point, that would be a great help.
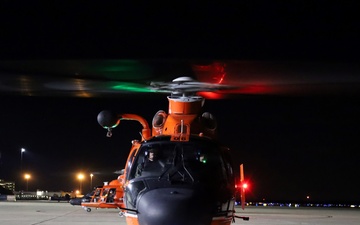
x: 21, y: 158
x: 27, y: 177
x: 80, y: 177
x: 91, y: 176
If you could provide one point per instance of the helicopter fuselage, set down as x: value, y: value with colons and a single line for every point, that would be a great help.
x: 178, y: 173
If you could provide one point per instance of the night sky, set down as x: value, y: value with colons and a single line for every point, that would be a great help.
x: 291, y: 146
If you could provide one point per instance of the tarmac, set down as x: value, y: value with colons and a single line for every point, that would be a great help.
x: 61, y: 213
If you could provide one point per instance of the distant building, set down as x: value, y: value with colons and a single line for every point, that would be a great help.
x: 7, y: 187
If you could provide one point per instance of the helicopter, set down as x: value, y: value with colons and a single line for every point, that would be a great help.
x: 110, y: 195
x: 178, y: 173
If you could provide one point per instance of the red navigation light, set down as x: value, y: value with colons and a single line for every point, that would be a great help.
x: 245, y: 185
x: 242, y: 185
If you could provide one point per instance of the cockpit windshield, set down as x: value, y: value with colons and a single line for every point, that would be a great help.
x: 179, y: 161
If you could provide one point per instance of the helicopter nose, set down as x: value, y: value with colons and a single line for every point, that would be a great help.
x: 174, y: 206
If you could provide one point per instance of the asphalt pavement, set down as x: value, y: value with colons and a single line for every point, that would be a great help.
x: 61, y: 213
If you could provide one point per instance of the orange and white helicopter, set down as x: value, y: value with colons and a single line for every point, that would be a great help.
x: 110, y: 195
x: 178, y: 173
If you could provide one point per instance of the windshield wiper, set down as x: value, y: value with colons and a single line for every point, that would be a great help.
x: 175, y: 168
x: 183, y: 165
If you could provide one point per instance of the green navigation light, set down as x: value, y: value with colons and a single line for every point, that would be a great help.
x: 132, y: 87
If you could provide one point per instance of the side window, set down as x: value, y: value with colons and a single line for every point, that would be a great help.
x: 129, y: 164
x: 105, y: 192
x: 228, y: 165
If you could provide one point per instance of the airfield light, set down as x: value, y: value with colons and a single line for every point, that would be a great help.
x: 27, y: 177
x: 80, y: 177
x: 21, y: 157
x: 91, y: 177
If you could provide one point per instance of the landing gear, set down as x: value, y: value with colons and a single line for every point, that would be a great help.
x: 87, y: 209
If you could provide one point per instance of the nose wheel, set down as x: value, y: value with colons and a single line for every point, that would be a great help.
x: 87, y: 209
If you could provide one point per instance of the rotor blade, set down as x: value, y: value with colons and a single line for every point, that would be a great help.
x: 213, y: 79
x: 81, y: 78
x: 282, y: 77
x: 183, y: 85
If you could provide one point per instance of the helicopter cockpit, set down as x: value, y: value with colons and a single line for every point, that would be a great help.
x: 178, y: 165
x: 179, y: 161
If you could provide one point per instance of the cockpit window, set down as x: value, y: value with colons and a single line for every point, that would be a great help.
x: 179, y: 161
